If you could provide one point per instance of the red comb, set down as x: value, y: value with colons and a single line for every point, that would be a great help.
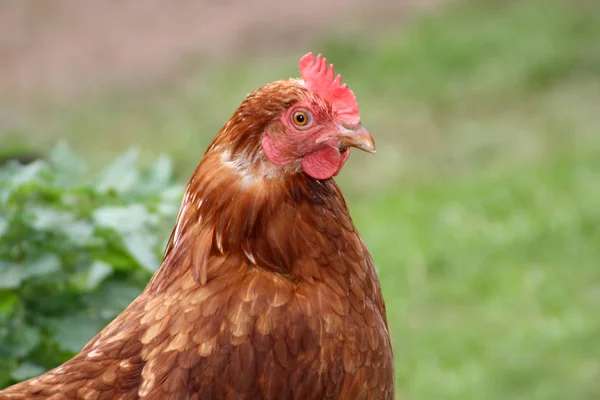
x: 320, y: 79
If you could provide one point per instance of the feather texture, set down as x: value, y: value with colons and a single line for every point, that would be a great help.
x: 266, y: 291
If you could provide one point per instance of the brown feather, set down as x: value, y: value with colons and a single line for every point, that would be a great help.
x: 266, y: 290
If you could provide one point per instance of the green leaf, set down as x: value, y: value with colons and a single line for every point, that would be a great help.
x: 170, y: 200
x: 74, y: 331
x: 26, y: 370
x: 123, y: 219
x: 98, y: 272
x: 45, y: 218
x: 79, y: 232
x: 67, y: 165
x: 27, y: 174
x: 158, y: 175
x: 23, y: 341
x: 121, y: 175
x: 141, y: 247
x: 112, y: 298
x: 8, y: 302
x: 12, y: 275
x: 47, y: 264
x: 3, y: 225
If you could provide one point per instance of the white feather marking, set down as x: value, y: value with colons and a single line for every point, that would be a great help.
x: 250, y: 256
x: 244, y: 166
x: 219, y: 240
x: 125, y: 365
x: 147, y: 384
x: 95, y: 354
x: 177, y: 233
x: 240, y: 165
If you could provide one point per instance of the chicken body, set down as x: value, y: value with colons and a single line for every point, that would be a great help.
x: 266, y: 290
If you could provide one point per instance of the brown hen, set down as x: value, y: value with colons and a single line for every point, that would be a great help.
x: 266, y: 290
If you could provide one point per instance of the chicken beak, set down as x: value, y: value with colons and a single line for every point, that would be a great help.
x: 357, y: 136
x: 352, y: 136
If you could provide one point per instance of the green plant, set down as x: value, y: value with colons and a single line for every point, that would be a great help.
x: 74, y: 252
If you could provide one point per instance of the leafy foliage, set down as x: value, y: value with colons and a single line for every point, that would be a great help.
x: 74, y: 252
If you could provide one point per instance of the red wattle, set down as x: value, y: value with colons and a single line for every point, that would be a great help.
x: 323, y: 163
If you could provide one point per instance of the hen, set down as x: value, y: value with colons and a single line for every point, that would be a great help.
x: 266, y: 290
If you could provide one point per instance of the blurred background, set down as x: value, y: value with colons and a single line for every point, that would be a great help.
x: 481, y: 207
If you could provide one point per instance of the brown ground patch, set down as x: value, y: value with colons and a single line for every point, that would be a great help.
x: 59, y: 48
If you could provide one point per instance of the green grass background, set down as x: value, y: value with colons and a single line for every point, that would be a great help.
x: 482, y: 205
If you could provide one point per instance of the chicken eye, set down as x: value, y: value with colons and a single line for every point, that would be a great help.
x: 301, y: 118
